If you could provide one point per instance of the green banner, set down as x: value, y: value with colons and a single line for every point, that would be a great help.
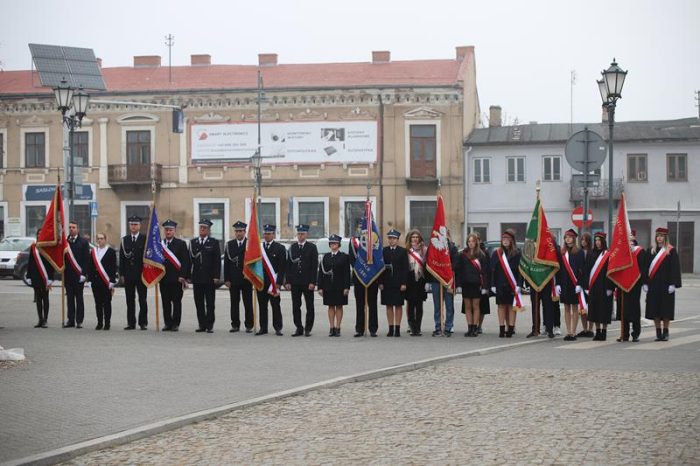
x: 536, y: 273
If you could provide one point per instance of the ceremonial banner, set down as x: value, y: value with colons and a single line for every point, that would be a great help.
x: 253, y: 259
x: 538, y: 263
x: 623, y: 269
x: 52, y: 239
x: 368, y: 267
x: 437, y: 260
x: 153, y: 257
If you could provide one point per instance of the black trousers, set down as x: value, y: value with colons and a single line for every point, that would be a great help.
x: 76, y: 304
x: 414, y: 314
x: 204, y: 298
x: 171, y: 297
x: 237, y: 289
x: 543, y: 300
x: 631, y: 312
x: 372, y: 291
x: 275, y: 303
x: 103, y: 303
x: 297, y: 293
x: 131, y: 287
x: 41, y: 297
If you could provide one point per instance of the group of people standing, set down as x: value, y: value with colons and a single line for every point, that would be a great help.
x: 580, y: 285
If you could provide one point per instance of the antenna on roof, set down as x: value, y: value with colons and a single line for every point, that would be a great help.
x: 571, y: 105
x: 697, y: 102
x: 170, y: 41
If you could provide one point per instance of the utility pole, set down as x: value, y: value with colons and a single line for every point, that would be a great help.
x: 571, y: 103
x: 170, y: 41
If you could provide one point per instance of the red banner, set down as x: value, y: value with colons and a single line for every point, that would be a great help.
x: 52, y: 239
x: 623, y: 269
x: 438, y: 261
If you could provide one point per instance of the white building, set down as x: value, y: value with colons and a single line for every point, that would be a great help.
x: 656, y: 163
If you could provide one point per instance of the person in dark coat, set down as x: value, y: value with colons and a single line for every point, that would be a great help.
x: 628, y: 306
x: 485, y: 301
x: 586, y: 248
x: 416, y: 283
x: 205, y: 257
x: 501, y: 283
x: 599, y: 287
x: 130, y: 268
x: 102, y: 275
x: 359, y: 291
x: 177, y: 266
x: 277, y: 255
x: 234, y: 280
x: 334, y: 283
x: 392, y: 282
x: 448, y: 294
x: 569, y: 279
x: 40, y: 277
x: 300, y: 276
x: 664, y: 276
x: 77, y: 256
x: 471, y: 276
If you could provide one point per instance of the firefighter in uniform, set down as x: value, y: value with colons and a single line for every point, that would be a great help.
x: 393, y: 282
x: 77, y: 257
x: 277, y: 255
x: 205, y: 273
x: 177, y: 265
x: 300, y: 278
x: 359, y: 291
x: 235, y: 281
x: 130, y: 267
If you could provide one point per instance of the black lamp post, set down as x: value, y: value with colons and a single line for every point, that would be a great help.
x: 610, y: 88
x: 68, y: 98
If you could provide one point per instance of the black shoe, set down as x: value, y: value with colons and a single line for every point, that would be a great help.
x: 568, y: 338
x: 210, y: 330
x: 174, y: 329
x: 69, y: 325
x: 200, y: 330
x: 635, y: 339
x: 510, y: 332
x: 166, y: 329
x: 437, y: 333
x: 621, y: 339
x: 106, y: 327
x: 279, y: 333
x: 235, y: 329
x: 581, y: 334
x: 99, y: 326
x: 665, y: 334
x: 391, y: 331
x: 44, y: 325
x: 261, y: 332
x: 337, y: 332
x: 373, y: 334
x: 532, y: 334
x: 79, y: 326
x: 603, y: 335
x: 397, y: 330
x: 332, y: 332
x: 298, y: 333
x: 448, y: 333
x: 248, y: 330
x: 359, y: 334
x: 307, y: 333
x: 38, y: 324
x: 502, y: 331
x: 550, y: 334
x: 143, y: 327
x: 129, y: 327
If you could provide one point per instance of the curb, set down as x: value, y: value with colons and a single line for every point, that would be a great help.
x: 72, y: 451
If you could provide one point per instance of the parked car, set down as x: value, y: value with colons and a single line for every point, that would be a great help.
x: 10, y: 250
x: 323, y: 247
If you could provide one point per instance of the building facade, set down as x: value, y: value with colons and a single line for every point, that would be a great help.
x: 328, y: 132
x: 656, y: 164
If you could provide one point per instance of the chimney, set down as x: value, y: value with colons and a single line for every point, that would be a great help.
x: 146, y: 60
x: 99, y: 62
x: 381, y: 56
x: 201, y: 59
x: 604, y: 117
x: 267, y: 59
x: 463, y: 51
x: 494, y: 116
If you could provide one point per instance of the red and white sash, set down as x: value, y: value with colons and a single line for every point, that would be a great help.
x: 582, y: 304
x: 171, y: 257
x: 658, y: 260
x: 417, y: 257
x: 98, y: 266
x: 597, y: 267
x: 73, y: 261
x: 477, y: 266
x: 40, y: 266
x: 517, y: 297
x: 270, y: 272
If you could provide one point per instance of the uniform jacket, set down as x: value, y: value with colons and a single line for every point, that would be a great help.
x: 302, y: 265
x: 179, y: 248
x: 81, y: 251
x: 396, y: 271
x: 233, y: 261
x: 334, y: 272
x: 131, y: 257
x: 206, y: 260
x: 277, y: 254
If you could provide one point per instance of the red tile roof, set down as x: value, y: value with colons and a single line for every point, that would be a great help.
x: 322, y: 75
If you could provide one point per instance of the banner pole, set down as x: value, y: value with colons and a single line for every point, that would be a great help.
x: 537, y: 313
x: 157, y: 310
x: 63, y: 300
x: 442, y: 308
x: 366, y: 312
x: 622, y: 314
x: 255, y: 309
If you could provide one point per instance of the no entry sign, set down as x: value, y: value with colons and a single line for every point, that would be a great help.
x: 577, y: 217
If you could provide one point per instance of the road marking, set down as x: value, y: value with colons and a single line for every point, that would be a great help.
x: 660, y: 345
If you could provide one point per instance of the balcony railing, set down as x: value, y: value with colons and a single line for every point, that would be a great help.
x: 599, y: 192
x: 135, y: 174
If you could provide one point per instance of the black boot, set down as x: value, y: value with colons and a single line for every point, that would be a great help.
x: 659, y: 334
x: 337, y: 331
x: 597, y: 335
x: 332, y: 332
x: 472, y: 330
x: 397, y: 330
x: 510, y: 332
x: 391, y: 331
x: 502, y: 331
x: 603, y: 334
x: 665, y: 334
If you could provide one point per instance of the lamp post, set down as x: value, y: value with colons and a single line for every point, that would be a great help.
x: 73, y: 106
x: 610, y: 88
x: 257, y: 157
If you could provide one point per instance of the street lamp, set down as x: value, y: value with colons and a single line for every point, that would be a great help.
x: 68, y: 98
x: 610, y: 88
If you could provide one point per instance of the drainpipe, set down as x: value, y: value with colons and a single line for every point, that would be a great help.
x: 465, y: 227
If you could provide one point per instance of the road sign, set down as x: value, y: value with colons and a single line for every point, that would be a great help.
x: 585, y: 149
x: 577, y: 217
x: 577, y: 180
x: 93, y: 209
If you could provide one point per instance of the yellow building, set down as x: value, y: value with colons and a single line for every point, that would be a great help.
x: 327, y: 130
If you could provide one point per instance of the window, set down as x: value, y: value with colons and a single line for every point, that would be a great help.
x: 80, y: 149
x: 81, y: 215
x: 519, y: 229
x: 636, y: 167
x: 34, y: 218
x: 677, y: 167
x: 312, y: 213
x: 421, y: 216
x: 516, y: 169
x: 480, y: 230
x: 552, y: 167
x: 482, y: 170
x: 34, y: 147
x: 423, y: 150
x: 138, y: 147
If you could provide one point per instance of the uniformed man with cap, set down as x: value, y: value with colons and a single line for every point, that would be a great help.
x: 77, y: 258
x: 300, y: 278
x: 235, y: 281
x: 277, y: 255
x: 393, y: 281
x: 205, y: 273
x: 130, y: 267
x: 177, y: 266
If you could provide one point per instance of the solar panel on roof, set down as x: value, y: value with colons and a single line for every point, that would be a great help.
x: 78, y: 66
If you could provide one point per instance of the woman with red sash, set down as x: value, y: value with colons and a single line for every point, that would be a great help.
x: 415, y: 282
x: 663, y: 279
x: 586, y: 327
x: 102, y: 274
x: 472, y: 275
x: 629, y: 310
x: 599, y: 287
x: 40, y: 278
x: 506, y: 282
x: 569, y: 280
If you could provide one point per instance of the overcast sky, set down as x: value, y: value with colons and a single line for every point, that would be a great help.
x: 525, y: 50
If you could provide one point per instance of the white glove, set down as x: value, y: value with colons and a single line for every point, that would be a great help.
x: 671, y: 289
x: 517, y: 290
x: 29, y: 281
x: 458, y: 290
x: 428, y: 287
x: 493, y: 289
x: 645, y: 288
x: 484, y: 291
x: 111, y: 285
x: 578, y: 289
x: 558, y: 288
x: 608, y: 292
x: 82, y: 279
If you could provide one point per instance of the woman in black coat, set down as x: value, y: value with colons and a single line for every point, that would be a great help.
x: 586, y: 247
x: 415, y: 281
x: 501, y: 284
x: 569, y: 280
x: 102, y: 275
x: 471, y: 275
x: 664, y: 276
x: 40, y: 276
x: 334, y: 283
x: 599, y: 287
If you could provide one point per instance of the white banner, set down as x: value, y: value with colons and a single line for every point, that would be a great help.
x: 288, y: 142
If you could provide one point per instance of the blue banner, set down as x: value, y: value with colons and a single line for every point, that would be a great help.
x: 367, y: 271
x: 153, y: 256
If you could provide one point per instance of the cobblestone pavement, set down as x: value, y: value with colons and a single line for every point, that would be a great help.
x: 450, y: 414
